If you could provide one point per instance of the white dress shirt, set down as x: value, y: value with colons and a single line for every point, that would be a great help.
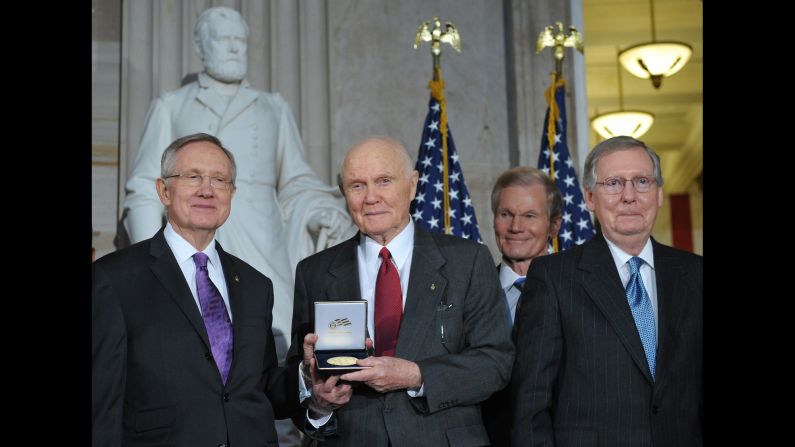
x: 184, y: 251
x: 511, y: 292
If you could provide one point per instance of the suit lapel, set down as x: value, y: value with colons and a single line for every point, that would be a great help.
x: 213, y: 100
x: 167, y: 271
x: 242, y: 99
x: 236, y: 304
x: 672, y: 300
x: 210, y: 98
x: 232, y: 282
x: 426, y: 288
x: 344, y: 273
x: 604, y: 287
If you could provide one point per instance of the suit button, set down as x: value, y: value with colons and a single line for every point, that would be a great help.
x: 655, y: 409
x: 226, y: 397
x: 208, y: 356
x: 387, y: 408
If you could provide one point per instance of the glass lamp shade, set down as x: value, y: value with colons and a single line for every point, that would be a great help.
x: 626, y: 122
x: 655, y: 60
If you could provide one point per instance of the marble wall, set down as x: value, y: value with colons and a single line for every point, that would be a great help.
x: 105, y: 60
x: 380, y: 84
x: 348, y: 70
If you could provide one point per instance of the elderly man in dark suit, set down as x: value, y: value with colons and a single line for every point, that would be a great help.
x: 527, y: 208
x: 441, y: 338
x: 183, y: 353
x: 609, y: 348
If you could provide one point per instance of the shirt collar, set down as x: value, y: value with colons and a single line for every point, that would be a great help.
x: 184, y: 251
x: 205, y: 81
x: 400, y: 246
x: 620, y: 257
x: 507, y: 276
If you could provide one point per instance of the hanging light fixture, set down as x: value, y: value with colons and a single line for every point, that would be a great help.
x: 624, y: 122
x: 655, y: 60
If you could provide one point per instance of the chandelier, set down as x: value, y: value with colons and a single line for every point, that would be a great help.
x: 623, y: 122
x: 655, y: 60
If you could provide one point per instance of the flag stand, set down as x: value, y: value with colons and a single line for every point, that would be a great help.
x: 437, y: 163
x: 436, y: 37
x: 555, y: 144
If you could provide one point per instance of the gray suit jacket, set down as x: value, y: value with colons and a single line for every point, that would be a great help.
x: 452, y: 284
x: 581, y: 377
x: 154, y: 381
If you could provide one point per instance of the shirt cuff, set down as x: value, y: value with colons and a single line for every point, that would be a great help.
x: 317, y: 423
x: 413, y: 392
x: 303, y: 392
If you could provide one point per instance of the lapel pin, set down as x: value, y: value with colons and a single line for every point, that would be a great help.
x: 433, y: 286
x: 237, y: 279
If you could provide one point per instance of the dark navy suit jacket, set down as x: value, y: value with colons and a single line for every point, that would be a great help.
x: 154, y: 381
x: 581, y: 376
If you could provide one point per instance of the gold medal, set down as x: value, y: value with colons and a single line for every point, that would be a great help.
x: 343, y: 360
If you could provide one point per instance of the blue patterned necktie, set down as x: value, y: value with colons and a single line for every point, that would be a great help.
x: 216, y: 319
x: 640, y: 305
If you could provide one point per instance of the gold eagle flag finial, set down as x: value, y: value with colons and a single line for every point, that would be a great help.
x: 436, y: 36
x: 558, y: 40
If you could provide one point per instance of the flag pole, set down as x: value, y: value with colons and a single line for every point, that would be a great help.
x: 436, y: 36
x: 557, y: 41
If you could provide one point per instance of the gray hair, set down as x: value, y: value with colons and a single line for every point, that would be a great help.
x: 202, y: 28
x: 170, y: 154
x: 620, y: 143
x: 525, y: 176
x: 389, y: 142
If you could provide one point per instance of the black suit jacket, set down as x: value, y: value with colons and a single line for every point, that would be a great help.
x: 154, y: 381
x: 453, y: 284
x: 497, y: 412
x: 581, y: 377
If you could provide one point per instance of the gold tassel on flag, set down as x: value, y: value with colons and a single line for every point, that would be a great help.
x: 557, y: 40
x: 554, y: 116
x: 437, y: 91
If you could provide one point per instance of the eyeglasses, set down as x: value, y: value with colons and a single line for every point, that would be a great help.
x: 196, y: 180
x: 615, y: 185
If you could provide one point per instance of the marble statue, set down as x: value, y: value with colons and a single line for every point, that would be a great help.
x: 282, y: 212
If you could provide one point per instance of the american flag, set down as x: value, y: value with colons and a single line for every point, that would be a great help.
x: 428, y: 206
x: 576, y: 227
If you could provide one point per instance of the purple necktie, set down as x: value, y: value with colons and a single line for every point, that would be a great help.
x: 216, y: 320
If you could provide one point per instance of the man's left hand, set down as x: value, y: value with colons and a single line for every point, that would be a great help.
x: 386, y: 374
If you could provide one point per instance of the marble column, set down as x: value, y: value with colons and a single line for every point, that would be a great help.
x: 529, y: 75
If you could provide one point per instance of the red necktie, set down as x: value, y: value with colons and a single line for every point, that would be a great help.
x: 388, y: 306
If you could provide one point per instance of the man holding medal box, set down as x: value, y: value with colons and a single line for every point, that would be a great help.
x: 435, y: 314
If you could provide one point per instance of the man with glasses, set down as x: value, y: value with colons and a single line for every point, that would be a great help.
x: 609, y: 346
x: 284, y: 212
x: 182, y: 347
